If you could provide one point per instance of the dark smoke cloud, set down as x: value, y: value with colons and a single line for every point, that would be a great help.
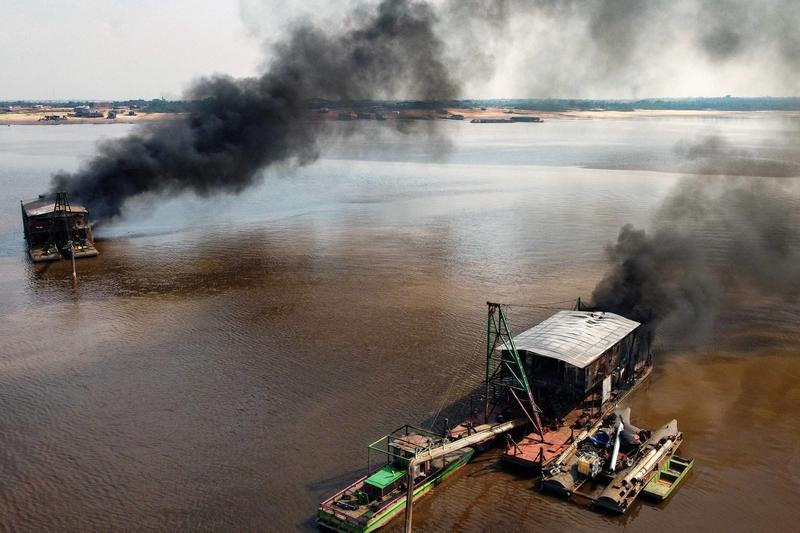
x: 239, y: 126
x: 556, y: 48
x: 716, y: 240
x: 418, y: 50
x: 713, y: 155
x: 728, y: 29
x: 625, y: 48
x: 725, y: 30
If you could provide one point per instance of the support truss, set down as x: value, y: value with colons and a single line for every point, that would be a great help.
x: 504, y: 367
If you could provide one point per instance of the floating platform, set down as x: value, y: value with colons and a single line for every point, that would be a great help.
x: 613, y: 464
x: 589, y: 362
x: 56, y: 229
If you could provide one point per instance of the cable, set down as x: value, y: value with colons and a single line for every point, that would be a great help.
x: 549, y: 305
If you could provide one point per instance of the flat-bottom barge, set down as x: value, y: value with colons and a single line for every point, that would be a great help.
x: 372, y: 501
x: 565, y: 373
x: 581, y: 364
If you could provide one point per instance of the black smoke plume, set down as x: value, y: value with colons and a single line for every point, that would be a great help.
x: 236, y: 127
x: 410, y: 49
x: 626, y: 48
x: 716, y: 240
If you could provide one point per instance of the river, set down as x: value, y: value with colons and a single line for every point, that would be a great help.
x: 224, y: 362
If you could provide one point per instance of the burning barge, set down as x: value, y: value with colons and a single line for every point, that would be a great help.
x: 556, y: 387
x: 55, y: 229
x: 580, y: 364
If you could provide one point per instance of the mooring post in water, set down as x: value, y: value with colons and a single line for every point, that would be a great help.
x: 409, y: 495
x: 74, y: 272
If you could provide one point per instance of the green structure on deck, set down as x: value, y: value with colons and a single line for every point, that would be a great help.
x: 385, y: 476
x: 504, y: 369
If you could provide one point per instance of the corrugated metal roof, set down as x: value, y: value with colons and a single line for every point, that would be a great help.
x: 575, y: 337
x: 43, y: 206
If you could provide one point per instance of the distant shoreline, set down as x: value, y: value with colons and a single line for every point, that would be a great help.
x: 36, y: 118
x: 466, y: 114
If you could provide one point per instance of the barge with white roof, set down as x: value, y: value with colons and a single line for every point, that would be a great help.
x: 556, y: 387
x: 581, y: 364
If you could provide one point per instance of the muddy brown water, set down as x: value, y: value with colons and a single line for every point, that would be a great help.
x: 224, y: 362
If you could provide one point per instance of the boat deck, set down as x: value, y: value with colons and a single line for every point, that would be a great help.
x: 669, y: 476
x: 39, y: 255
x: 344, y: 512
x: 86, y: 251
x: 532, y: 452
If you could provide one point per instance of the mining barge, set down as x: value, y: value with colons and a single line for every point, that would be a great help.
x: 55, y: 229
x: 580, y: 365
x: 550, y: 396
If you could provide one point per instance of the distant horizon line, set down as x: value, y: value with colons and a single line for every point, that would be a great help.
x: 7, y: 101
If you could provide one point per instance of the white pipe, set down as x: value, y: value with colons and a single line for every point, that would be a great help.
x: 652, y: 458
x: 445, y: 449
x: 463, y: 442
x: 615, y: 453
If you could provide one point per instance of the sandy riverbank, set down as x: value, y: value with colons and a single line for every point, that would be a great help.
x: 468, y: 114
x: 36, y: 117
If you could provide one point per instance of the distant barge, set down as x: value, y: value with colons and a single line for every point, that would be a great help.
x: 497, y: 120
x: 55, y: 229
x: 581, y: 364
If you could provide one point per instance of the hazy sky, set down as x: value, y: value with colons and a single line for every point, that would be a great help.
x: 117, y: 49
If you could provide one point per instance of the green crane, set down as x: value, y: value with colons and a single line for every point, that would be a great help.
x: 504, y: 367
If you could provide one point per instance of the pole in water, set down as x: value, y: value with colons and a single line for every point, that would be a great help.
x: 409, y: 496
x: 72, y: 255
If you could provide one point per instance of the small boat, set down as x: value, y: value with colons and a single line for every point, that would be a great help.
x: 372, y: 501
x: 668, y: 477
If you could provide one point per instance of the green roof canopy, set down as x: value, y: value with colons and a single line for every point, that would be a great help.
x: 385, y: 476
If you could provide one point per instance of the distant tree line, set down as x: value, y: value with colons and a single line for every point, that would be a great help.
x: 723, y: 103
